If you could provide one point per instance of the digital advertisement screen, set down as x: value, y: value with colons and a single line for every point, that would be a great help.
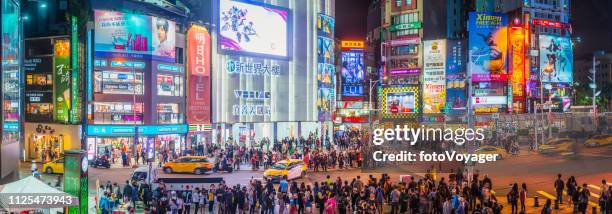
x: 353, y: 72
x: 517, y: 70
x: 198, y: 69
x: 254, y: 29
x: 488, y: 44
x: 132, y: 35
x: 325, y: 49
x: 456, y: 90
x: 556, y: 59
x: 434, y: 79
x: 400, y: 103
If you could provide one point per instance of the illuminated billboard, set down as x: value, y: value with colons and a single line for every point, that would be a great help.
x: 120, y: 34
x: 198, y: 71
x: 326, y: 70
x: 488, y: 45
x: 353, y: 73
x: 556, y: 59
x: 400, y: 102
x: 61, y: 84
x: 434, y: 83
x: 253, y: 28
x: 456, y: 93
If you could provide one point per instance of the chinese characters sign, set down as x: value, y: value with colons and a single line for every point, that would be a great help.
x: 198, y: 65
x: 61, y: 65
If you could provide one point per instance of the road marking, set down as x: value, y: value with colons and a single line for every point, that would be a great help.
x: 594, y: 187
x: 545, y: 194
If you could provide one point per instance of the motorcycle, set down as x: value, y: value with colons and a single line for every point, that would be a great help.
x: 100, y: 162
x: 221, y: 167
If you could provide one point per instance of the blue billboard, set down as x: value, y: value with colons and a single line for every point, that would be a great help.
x: 556, y: 59
x: 353, y: 73
x: 488, y: 46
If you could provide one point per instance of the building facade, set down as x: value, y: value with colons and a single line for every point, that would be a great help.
x: 11, y: 56
x: 266, y: 85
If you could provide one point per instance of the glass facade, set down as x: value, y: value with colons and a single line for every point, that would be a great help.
x: 11, y: 75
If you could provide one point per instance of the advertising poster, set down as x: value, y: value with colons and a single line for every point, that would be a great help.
x: 325, y: 26
x: 165, y: 85
x: 456, y: 90
x: 61, y: 86
x: 120, y: 34
x: 434, y: 81
x: 254, y: 28
x: 517, y: 68
x: 399, y: 102
x: 198, y: 69
x: 488, y: 46
x: 353, y: 73
x: 325, y: 67
x: 556, y: 59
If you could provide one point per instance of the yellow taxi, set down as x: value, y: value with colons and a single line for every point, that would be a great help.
x: 561, y: 146
x: 599, y: 140
x: 189, y: 164
x: 489, y: 150
x: 56, y: 166
x: 282, y: 168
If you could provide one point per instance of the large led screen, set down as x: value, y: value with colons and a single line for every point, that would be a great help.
x: 456, y: 96
x: 399, y: 102
x: 556, y: 59
x: 488, y: 45
x: 120, y: 34
x: 353, y: 72
x: 254, y: 29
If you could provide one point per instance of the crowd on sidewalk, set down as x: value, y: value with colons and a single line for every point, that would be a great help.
x: 456, y: 194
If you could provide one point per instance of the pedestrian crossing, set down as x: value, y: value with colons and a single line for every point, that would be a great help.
x: 594, y: 190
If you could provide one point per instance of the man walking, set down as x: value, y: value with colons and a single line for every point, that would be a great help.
x: 559, y: 186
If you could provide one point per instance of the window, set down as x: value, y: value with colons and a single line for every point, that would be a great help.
x: 398, y: 3
x: 169, y: 85
x: 405, y: 50
x: 118, y: 82
x: 404, y: 19
x: 118, y: 113
x: 168, y: 113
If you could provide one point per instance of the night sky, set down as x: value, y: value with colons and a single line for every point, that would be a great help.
x: 591, y: 21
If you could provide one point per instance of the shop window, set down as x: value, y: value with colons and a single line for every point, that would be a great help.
x: 169, y: 85
x: 168, y: 113
x: 405, y: 50
x: 118, y: 113
x: 118, y: 82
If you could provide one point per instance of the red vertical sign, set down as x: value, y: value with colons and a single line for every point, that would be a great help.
x: 198, y: 69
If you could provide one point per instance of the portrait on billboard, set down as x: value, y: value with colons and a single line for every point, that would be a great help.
x: 163, y: 38
x: 556, y: 59
x: 325, y: 25
x: 488, y: 44
x: 254, y: 28
x: 325, y: 75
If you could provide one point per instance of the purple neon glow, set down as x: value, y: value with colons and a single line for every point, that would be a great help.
x: 405, y: 71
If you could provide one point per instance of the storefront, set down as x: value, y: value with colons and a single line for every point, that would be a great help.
x: 151, y: 139
x: 46, y: 142
x: 199, y: 137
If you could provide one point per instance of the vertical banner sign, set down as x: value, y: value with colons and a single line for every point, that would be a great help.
x: 434, y: 82
x: 198, y: 65
x: 75, y: 179
x: 325, y: 67
x: 456, y: 93
x: 74, y: 70
x: 517, y: 67
x: 61, y: 85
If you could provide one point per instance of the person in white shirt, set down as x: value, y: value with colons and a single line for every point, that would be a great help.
x: 196, y: 200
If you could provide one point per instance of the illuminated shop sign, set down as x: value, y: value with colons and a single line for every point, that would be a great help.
x: 549, y: 23
x: 350, y: 104
x: 489, y: 77
x: 405, y: 41
x: 123, y: 130
x: 352, y: 44
x: 405, y: 71
x: 252, y: 95
x: 200, y: 127
x: 251, y: 110
x: 352, y: 90
x: 128, y: 64
x: 171, y: 68
x: 406, y: 26
x: 490, y: 100
x: 10, y: 127
x: 100, y: 63
x: 253, y: 68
